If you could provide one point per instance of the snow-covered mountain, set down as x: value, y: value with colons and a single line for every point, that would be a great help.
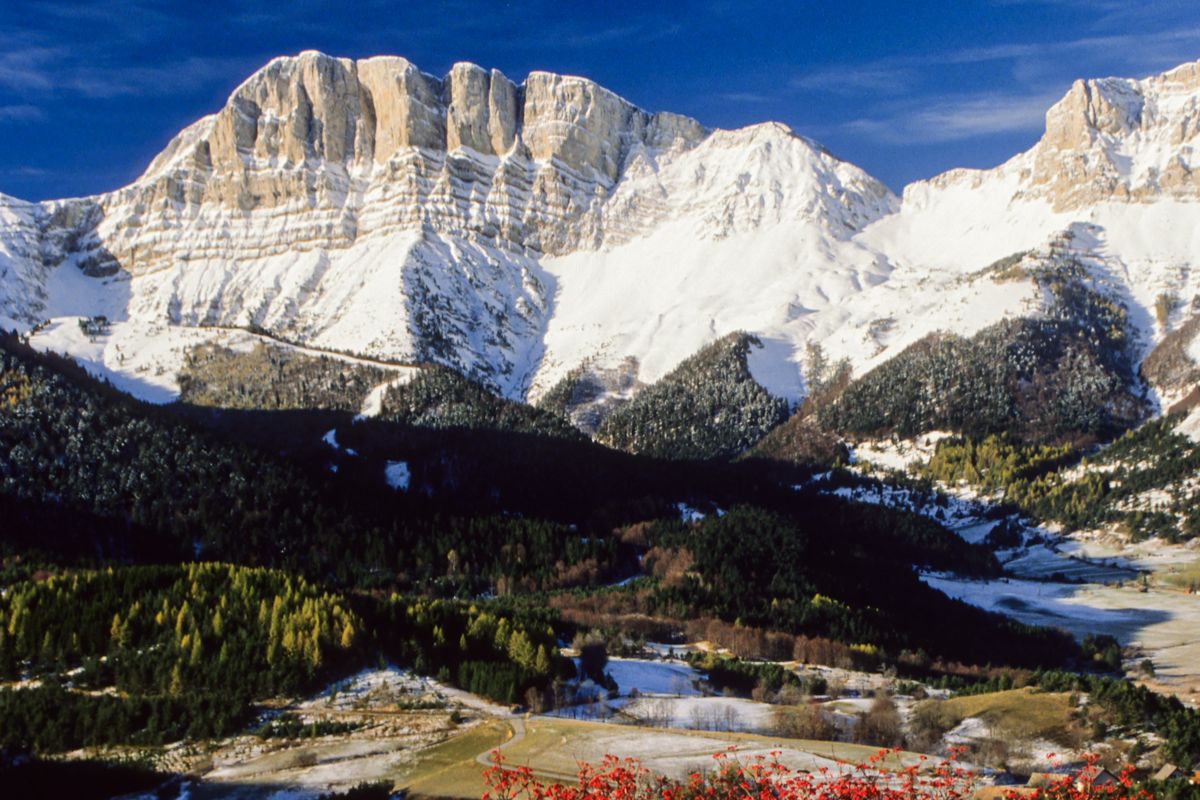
x: 515, y: 231
x: 1119, y: 154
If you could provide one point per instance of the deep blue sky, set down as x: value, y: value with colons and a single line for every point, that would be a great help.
x: 89, y: 92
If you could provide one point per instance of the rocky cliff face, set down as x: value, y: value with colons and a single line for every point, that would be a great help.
x: 1111, y: 139
x: 22, y: 274
x: 326, y: 144
x: 1122, y: 140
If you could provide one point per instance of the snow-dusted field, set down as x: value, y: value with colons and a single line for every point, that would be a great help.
x: 704, y: 713
x: 897, y: 455
x: 556, y: 746
x: 1040, y: 753
x: 389, y: 706
x: 655, y: 677
x: 397, y: 475
x: 144, y: 358
x: 138, y: 358
x: 667, y: 694
x: 1055, y: 562
x: 390, y: 687
x: 1165, y: 624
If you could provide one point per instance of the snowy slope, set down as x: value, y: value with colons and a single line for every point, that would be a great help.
x: 514, y: 232
x: 1116, y: 160
x: 22, y: 276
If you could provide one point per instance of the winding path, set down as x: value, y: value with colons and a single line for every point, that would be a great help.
x: 518, y: 733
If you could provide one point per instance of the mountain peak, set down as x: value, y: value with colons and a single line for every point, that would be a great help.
x: 1093, y: 108
x: 1117, y: 139
x: 1107, y: 140
x: 359, y: 113
x: 370, y: 207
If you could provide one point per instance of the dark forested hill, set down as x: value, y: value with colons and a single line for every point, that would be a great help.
x: 1068, y: 374
x: 490, y: 509
x: 707, y: 407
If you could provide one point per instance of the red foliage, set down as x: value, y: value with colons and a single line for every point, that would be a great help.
x: 768, y: 779
x: 1091, y: 783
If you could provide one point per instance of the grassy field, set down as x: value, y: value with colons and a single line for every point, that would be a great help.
x: 1182, y: 576
x: 1018, y: 714
x: 450, y: 769
x: 555, y: 747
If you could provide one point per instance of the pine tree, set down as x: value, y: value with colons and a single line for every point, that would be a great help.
x: 520, y: 649
x: 542, y: 664
x: 197, y: 654
x: 503, y: 632
x: 176, y: 686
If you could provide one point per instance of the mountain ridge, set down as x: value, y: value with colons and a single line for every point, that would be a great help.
x: 515, y: 231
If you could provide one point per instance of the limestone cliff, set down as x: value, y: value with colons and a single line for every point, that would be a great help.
x: 370, y: 207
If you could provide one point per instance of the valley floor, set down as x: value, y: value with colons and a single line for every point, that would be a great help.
x: 416, y: 734
x: 1089, y: 582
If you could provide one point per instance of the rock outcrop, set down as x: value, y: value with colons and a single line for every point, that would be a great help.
x: 324, y: 137
x: 22, y: 267
x: 1121, y: 140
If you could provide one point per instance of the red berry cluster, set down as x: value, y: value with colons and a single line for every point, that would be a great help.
x: 764, y: 778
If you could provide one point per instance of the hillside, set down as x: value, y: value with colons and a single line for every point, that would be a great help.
x: 274, y: 378
x: 122, y: 492
x: 441, y: 398
x: 707, y: 407
x: 1065, y: 373
x: 119, y: 480
x: 1143, y: 484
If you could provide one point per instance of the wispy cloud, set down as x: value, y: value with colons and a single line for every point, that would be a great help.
x: 745, y: 97
x: 34, y: 63
x: 27, y: 68
x: 879, y: 77
x: 1137, y: 51
x: 1108, y: 12
x: 1142, y: 50
x: 622, y: 33
x: 20, y: 113
x: 25, y: 172
x: 93, y: 81
x: 137, y: 20
x: 35, y: 71
x: 1039, y: 72
x: 1096, y: 4
x: 957, y: 118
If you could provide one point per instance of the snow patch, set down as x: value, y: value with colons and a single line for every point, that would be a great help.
x: 1190, y: 426
x: 373, y: 404
x: 397, y: 475
x: 898, y: 454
